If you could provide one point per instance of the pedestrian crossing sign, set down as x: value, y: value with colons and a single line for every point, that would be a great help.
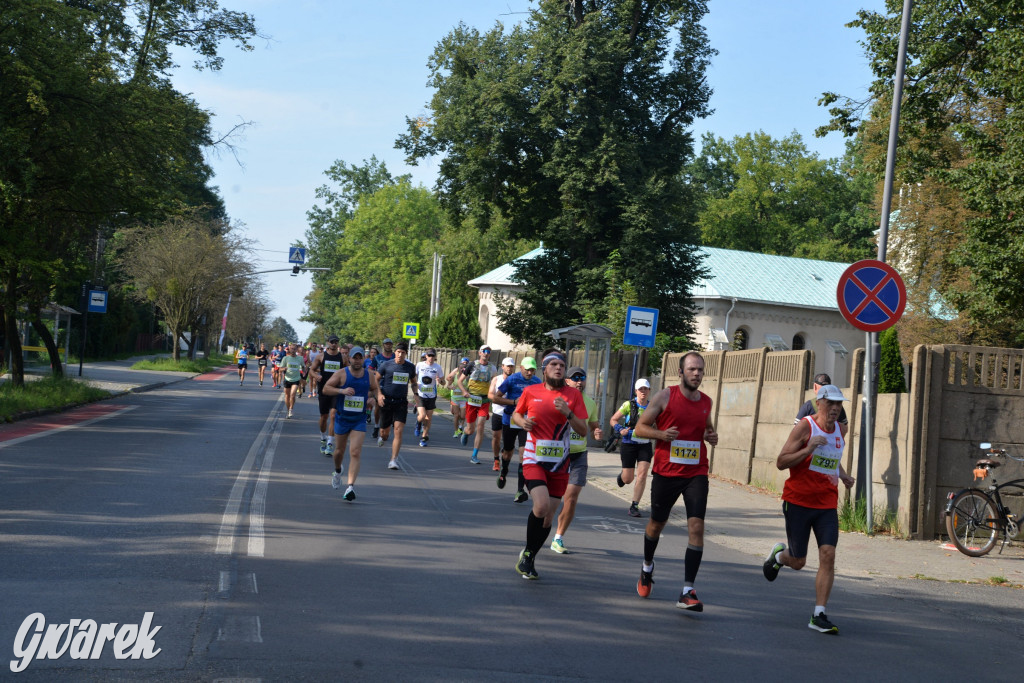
x: 411, y: 330
x: 296, y: 255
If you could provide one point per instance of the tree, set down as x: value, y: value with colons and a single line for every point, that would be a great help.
x: 573, y: 128
x: 776, y: 197
x: 890, y: 367
x: 183, y: 266
x: 961, y: 127
x: 456, y: 326
x: 280, y: 330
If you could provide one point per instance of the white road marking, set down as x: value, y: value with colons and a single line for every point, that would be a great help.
x: 259, y: 497
x: 229, y: 522
x: 241, y: 629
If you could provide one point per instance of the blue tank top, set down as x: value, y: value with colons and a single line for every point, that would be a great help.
x: 351, y: 407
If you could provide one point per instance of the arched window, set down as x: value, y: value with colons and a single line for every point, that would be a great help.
x: 799, y: 344
x: 484, y: 320
x: 740, y: 340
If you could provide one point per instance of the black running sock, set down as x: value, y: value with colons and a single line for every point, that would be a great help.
x: 650, y: 545
x: 521, y: 484
x: 338, y: 470
x: 536, y: 533
x: 691, y: 563
x: 504, y: 466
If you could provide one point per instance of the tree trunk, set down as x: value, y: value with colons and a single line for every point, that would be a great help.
x: 176, y: 344
x: 56, y: 365
x: 10, y: 306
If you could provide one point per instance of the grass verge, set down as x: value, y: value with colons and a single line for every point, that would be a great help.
x: 853, y: 517
x: 184, y: 365
x: 48, y: 393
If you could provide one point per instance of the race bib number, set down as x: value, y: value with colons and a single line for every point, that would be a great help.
x: 353, y: 404
x: 577, y: 440
x: 475, y: 400
x: 332, y: 365
x: 400, y: 378
x: 684, y: 452
x: 546, y: 450
x: 825, y: 464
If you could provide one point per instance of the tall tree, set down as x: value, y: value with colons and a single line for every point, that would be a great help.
x: 962, y: 127
x: 574, y: 127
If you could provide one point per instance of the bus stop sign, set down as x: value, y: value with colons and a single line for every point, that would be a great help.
x: 871, y: 295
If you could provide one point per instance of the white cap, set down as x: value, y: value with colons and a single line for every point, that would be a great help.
x: 831, y: 392
x: 509, y: 361
x: 642, y: 384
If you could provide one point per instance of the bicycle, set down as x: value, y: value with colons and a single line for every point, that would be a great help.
x: 975, y: 517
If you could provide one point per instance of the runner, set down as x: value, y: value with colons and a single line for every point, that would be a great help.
x: 350, y: 388
x: 378, y: 360
x: 242, y: 358
x: 261, y: 361
x: 549, y: 412
x: 275, y: 359
x: 314, y: 354
x: 507, y: 394
x: 508, y: 366
x: 291, y: 369
x: 325, y: 365
x: 428, y: 375
x: 679, y: 418
x: 577, y: 379
x: 457, y: 400
x: 813, y: 454
x: 635, y: 452
x: 369, y: 365
x: 393, y: 377
x: 474, y: 381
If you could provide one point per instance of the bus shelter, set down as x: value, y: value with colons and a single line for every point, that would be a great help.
x: 596, y: 338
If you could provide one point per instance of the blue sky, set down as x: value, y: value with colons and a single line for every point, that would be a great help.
x: 337, y: 78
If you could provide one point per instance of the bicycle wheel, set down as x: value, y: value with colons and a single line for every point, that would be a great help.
x: 972, y: 523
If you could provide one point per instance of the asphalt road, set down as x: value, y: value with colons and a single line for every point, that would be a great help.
x: 200, y: 503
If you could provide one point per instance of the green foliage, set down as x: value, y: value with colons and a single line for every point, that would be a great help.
x: 279, y: 330
x: 199, y: 365
x: 890, y: 367
x: 574, y: 129
x: 776, y: 197
x: 456, y: 326
x: 47, y: 393
x: 853, y: 516
x: 961, y: 134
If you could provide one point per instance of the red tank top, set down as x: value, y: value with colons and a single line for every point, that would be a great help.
x: 808, y: 484
x: 687, y: 455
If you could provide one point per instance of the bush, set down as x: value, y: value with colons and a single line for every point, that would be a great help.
x: 890, y: 364
x: 48, y: 393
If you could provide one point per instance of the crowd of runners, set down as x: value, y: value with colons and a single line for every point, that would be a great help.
x: 541, y: 411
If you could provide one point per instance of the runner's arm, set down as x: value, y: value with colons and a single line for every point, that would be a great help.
x: 334, y: 384
x: 645, y: 428
x: 798, y: 447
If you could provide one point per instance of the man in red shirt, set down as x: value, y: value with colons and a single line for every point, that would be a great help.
x: 549, y: 412
x: 679, y: 419
x: 813, y: 454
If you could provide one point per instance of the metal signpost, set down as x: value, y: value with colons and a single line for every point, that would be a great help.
x: 871, y: 296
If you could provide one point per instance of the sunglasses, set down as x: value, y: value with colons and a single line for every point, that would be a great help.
x: 578, y: 378
x: 431, y: 355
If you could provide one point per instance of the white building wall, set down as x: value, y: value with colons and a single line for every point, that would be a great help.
x: 488, y: 309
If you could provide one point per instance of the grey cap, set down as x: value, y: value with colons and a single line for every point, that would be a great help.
x: 356, y: 350
x: 831, y: 392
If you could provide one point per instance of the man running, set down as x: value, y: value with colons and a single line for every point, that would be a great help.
x: 428, y: 375
x: 275, y: 364
x: 261, y: 361
x: 813, y: 454
x: 314, y: 355
x: 635, y: 452
x: 679, y: 418
x: 549, y: 412
x: 394, y: 377
x: 242, y: 358
x: 507, y: 394
x: 291, y: 368
x: 508, y: 366
x: 323, y: 368
x: 350, y: 388
x: 457, y: 399
x: 475, y: 381
x: 378, y: 360
x: 577, y: 379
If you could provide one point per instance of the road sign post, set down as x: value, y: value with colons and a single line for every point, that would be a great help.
x: 871, y: 296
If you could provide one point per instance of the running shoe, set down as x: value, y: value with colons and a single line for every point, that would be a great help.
x: 261, y: 384
x: 330, y: 449
x: 821, y: 624
x: 464, y: 439
x: 634, y: 510
x: 475, y: 460
x: 336, y: 480
x: 690, y: 601
x: 289, y: 414
x: 380, y: 442
x: 457, y: 434
x: 419, y: 429
x: 423, y: 443
x: 520, y: 497
x: 323, y: 446
x: 525, y: 565
x: 644, y: 583
x: 393, y: 465
x: 558, y: 546
x: 350, y: 493
x: 497, y: 467
x: 771, y: 567
x: 501, y: 481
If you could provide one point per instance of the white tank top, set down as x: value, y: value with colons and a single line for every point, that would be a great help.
x: 825, y: 458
